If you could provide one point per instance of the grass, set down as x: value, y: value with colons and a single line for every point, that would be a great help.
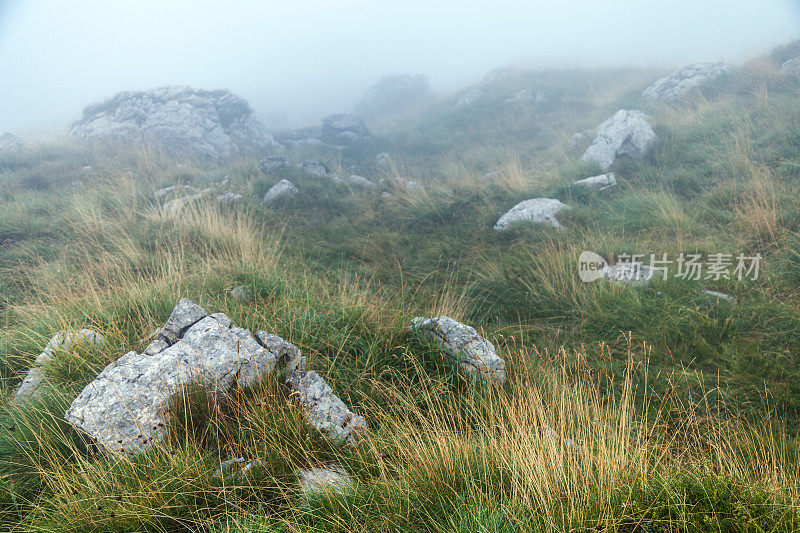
x: 682, y: 407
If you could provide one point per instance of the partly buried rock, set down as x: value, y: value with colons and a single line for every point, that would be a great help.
x: 213, y: 124
x: 601, y: 182
x: 327, y: 479
x: 324, y: 410
x: 314, y: 167
x: 229, y: 198
x: 627, y: 133
x: 175, y: 205
x: 125, y: 408
x: 61, y: 341
x: 474, y: 353
x: 273, y: 164
x: 681, y: 82
x: 174, y: 189
x: 360, y: 181
x: 536, y: 210
x: 10, y: 143
x: 393, y: 93
x: 282, y: 189
x: 344, y: 128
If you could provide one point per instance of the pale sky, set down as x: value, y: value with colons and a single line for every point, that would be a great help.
x: 311, y: 58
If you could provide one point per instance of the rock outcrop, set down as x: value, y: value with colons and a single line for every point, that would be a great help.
x: 536, y: 210
x: 324, y: 410
x: 626, y: 134
x: 681, y: 82
x: 213, y: 124
x: 62, y: 340
x: 464, y: 344
x: 331, y: 478
x: 600, y: 183
x: 791, y: 67
x: 344, y: 129
x: 125, y: 408
x: 360, y: 181
x: 470, y: 97
x: 393, y: 93
x: 282, y: 189
x: 314, y: 167
x: 10, y: 143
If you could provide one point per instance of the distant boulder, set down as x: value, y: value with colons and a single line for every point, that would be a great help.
x: 282, y: 189
x: 627, y: 133
x: 309, y: 136
x: 182, y: 120
x: 344, y: 128
x: 791, y: 67
x: 393, y: 93
x: 314, y: 167
x: 383, y: 159
x: 470, y: 97
x: 536, y: 210
x: 271, y: 165
x: 10, y: 143
x: 681, y: 82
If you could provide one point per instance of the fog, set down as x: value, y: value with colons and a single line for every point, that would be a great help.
x: 310, y: 58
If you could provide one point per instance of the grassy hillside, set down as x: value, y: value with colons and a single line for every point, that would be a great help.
x: 682, y: 406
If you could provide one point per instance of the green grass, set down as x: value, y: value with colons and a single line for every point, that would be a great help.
x: 684, y: 407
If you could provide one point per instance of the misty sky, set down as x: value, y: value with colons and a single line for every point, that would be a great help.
x: 316, y: 57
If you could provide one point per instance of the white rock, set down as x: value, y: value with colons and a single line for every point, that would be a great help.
x: 474, y: 353
x: 314, y: 167
x: 627, y: 133
x: 273, y: 164
x: 282, y: 189
x: 601, y: 182
x: 324, y: 410
x: 360, y: 181
x: 536, y: 210
x: 681, y: 82
x: 331, y: 478
x: 125, y: 407
x: 62, y: 340
x: 229, y: 198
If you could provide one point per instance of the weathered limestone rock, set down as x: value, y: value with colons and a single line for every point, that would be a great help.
x: 464, y: 344
x: 324, y: 479
x: 600, y: 183
x: 536, y: 210
x: 324, y: 410
x: 271, y: 165
x: 360, y: 181
x: 684, y: 80
x: 314, y: 167
x: 229, y: 198
x: 627, y: 133
x: 393, y: 93
x: 282, y: 189
x: 343, y: 129
x: 125, y: 408
x: 61, y: 341
x: 173, y: 206
x: 214, y: 124
x: 234, y: 470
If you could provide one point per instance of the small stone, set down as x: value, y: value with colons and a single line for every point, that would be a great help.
x: 600, y: 183
x: 536, y: 210
x: 331, y: 478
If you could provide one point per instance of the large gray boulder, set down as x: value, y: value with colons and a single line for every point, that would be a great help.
x: 125, y: 408
x: 393, y: 93
x: 182, y: 120
x: 10, y: 143
x: 343, y: 129
x: 464, y: 344
x: 282, y: 189
x: 684, y: 80
x: 324, y: 410
x: 63, y: 340
x: 626, y: 134
x: 536, y: 210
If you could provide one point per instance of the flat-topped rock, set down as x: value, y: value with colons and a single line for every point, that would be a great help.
x: 474, y: 353
x: 677, y: 84
x: 125, y: 409
x: 536, y: 211
x: 282, y: 189
x: 178, y: 119
x: 600, y: 183
x: 626, y: 134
